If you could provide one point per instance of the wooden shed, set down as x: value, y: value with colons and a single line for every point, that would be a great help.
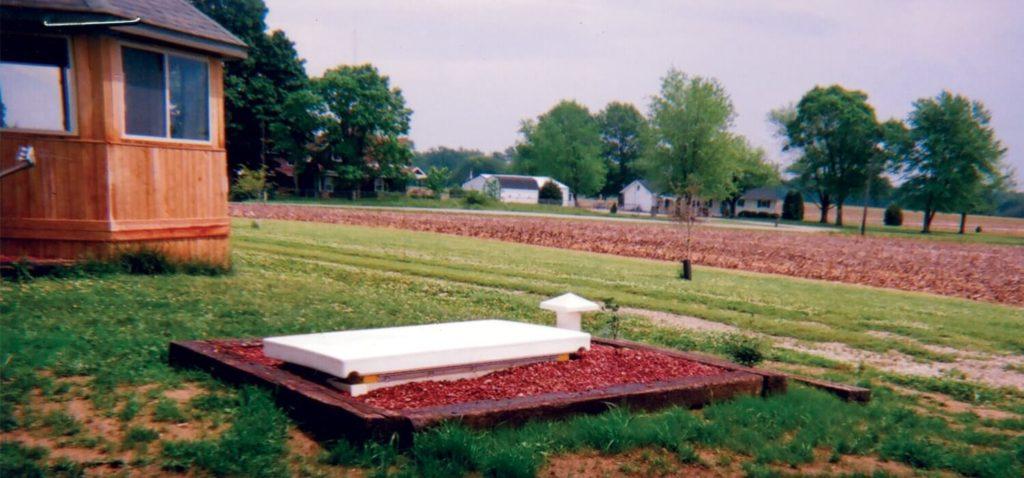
x: 121, y: 104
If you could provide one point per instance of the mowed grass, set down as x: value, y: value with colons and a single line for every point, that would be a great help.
x: 803, y: 309
x: 112, y: 331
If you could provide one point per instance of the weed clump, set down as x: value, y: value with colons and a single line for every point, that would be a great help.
x: 743, y: 349
x: 20, y: 460
x: 137, y: 262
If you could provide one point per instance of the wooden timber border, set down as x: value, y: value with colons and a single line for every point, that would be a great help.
x: 328, y: 413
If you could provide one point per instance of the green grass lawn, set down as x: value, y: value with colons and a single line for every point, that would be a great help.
x: 103, y: 339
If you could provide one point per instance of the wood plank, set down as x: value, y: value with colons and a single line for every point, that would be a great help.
x: 691, y: 392
x: 305, y: 393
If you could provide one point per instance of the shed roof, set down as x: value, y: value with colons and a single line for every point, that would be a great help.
x: 171, y: 21
x: 516, y: 182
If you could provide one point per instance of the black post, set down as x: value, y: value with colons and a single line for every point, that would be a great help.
x: 687, y: 271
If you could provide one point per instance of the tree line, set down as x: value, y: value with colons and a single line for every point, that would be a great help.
x: 946, y: 153
x: 349, y: 122
x: 685, y: 139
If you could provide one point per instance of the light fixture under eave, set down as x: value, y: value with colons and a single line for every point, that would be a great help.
x: 94, y: 23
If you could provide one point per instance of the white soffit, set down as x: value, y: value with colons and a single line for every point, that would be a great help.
x: 397, y: 349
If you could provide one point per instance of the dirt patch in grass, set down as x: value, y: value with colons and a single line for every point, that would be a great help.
x: 302, y: 444
x: 638, y: 463
x: 680, y: 321
x: 823, y: 465
x: 183, y: 395
x: 990, y: 369
x: 953, y: 406
x: 101, y: 445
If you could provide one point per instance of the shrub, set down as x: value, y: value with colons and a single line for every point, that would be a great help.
x: 476, y: 198
x: 614, y: 209
x: 893, y: 215
x: 250, y: 184
x: 550, y: 193
x: 758, y: 214
x: 793, y: 206
x: 456, y: 192
x: 437, y: 178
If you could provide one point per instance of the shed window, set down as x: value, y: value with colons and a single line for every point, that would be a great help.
x: 741, y: 202
x: 166, y: 95
x: 764, y: 203
x: 34, y: 86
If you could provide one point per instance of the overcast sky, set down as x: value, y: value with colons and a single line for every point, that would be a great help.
x: 472, y: 70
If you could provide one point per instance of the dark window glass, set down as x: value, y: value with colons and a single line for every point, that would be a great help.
x: 189, y: 86
x: 144, y: 93
x: 34, y: 92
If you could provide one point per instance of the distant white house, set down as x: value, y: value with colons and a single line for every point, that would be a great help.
x: 639, y: 196
x: 766, y: 199
x: 515, y: 189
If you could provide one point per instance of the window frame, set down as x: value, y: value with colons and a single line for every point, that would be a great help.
x: 767, y: 203
x: 166, y: 53
x: 70, y: 94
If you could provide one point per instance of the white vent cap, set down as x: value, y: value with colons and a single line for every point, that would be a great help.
x: 569, y: 303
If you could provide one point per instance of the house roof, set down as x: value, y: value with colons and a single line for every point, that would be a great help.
x: 766, y: 192
x: 643, y: 182
x: 528, y: 183
x: 170, y: 21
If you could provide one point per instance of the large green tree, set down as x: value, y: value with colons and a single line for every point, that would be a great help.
x: 955, y: 161
x: 298, y: 137
x: 752, y: 171
x: 365, y: 121
x: 255, y: 89
x: 836, y: 133
x: 564, y: 143
x: 692, y: 152
x: 623, y: 133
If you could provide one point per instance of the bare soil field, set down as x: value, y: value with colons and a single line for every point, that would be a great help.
x: 913, y: 220
x: 993, y: 273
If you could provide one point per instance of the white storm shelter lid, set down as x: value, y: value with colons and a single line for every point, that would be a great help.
x: 373, y: 352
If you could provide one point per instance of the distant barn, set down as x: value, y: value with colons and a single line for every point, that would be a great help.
x: 121, y: 102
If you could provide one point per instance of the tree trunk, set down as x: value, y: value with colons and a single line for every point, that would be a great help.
x: 824, y: 205
x: 963, y: 222
x: 732, y: 207
x: 839, y: 214
x: 928, y: 215
x: 864, y: 215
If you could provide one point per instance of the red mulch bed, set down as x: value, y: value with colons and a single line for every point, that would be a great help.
x: 602, y: 366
